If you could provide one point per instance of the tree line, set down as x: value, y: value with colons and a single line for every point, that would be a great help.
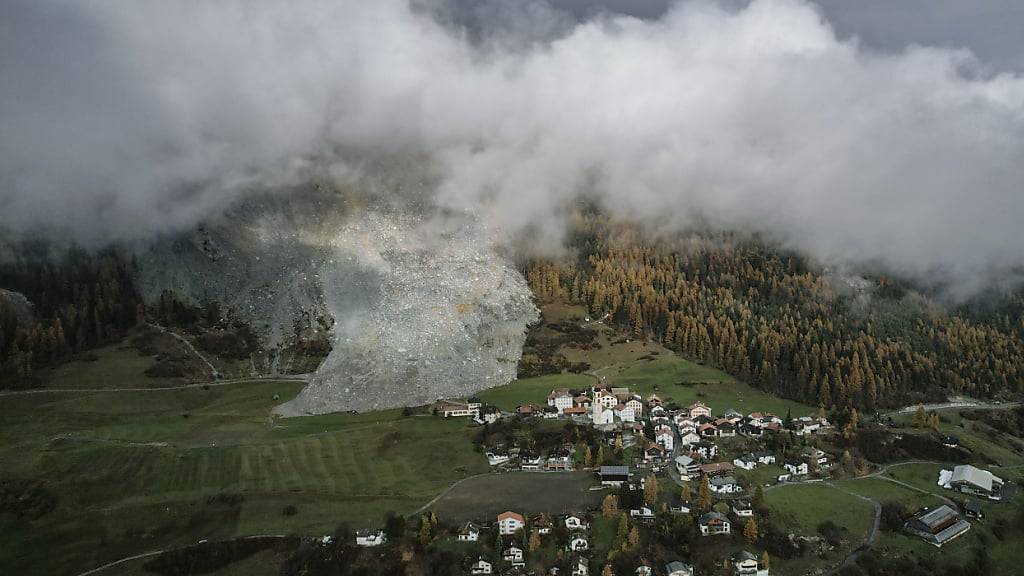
x: 772, y: 318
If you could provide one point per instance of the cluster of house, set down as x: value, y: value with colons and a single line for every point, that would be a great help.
x: 480, y: 413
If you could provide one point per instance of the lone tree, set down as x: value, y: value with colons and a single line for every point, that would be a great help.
x: 534, y: 540
x: 704, y: 495
x: 765, y: 561
x: 607, y: 570
x: 610, y: 506
x: 685, y: 494
x: 750, y: 530
x: 650, y: 489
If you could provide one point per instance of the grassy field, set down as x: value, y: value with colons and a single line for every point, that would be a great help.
x: 523, y: 492
x: 533, y: 390
x: 801, y: 508
x: 885, y: 491
x: 117, y: 366
x: 134, y: 471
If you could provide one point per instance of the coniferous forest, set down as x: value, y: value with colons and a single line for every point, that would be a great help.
x: 772, y: 318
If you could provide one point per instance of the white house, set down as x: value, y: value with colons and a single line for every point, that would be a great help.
x: 742, y: 509
x: 494, y: 458
x: 469, y: 533
x: 642, y: 514
x: 578, y: 543
x: 636, y: 405
x: 686, y: 466
x: 624, y: 413
x: 513, y: 555
x: 560, y: 399
x: 510, y: 523
x: 580, y: 567
x: 574, y: 522
x: 747, y: 462
x: 765, y: 457
x: 369, y: 539
x: 688, y: 438
x: 454, y: 408
x: 643, y: 571
x: 795, y: 467
x: 664, y: 436
x: 605, y: 399
x: 698, y: 409
x: 724, y: 485
x: 705, y: 449
x: 481, y: 566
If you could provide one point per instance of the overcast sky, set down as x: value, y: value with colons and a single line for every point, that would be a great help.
x: 900, y: 149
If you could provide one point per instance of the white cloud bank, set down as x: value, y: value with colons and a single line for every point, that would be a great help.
x: 120, y: 118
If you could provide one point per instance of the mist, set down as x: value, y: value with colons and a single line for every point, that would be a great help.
x: 119, y: 120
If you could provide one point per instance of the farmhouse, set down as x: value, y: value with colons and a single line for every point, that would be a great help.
x: 689, y: 438
x: 747, y: 462
x: 765, y: 457
x: 937, y: 526
x: 510, y: 523
x: 713, y: 524
x: 742, y: 509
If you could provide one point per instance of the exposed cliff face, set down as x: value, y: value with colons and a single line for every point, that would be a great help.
x: 423, y: 311
x: 23, y: 309
x: 421, y: 308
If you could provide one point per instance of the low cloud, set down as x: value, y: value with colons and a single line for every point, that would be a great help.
x: 122, y: 118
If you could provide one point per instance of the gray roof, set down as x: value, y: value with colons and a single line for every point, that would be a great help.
x: 936, y: 516
x: 743, y: 556
x: 676, y: 565
x: 722, y: 480
x: 708, y: 516
x: 684, y: 460
x: 981, y: 478
x: 614, y: 470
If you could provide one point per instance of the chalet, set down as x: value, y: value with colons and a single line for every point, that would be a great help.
x: 746, y: 564
x: 469, y: 533
x: 487, y: 415
x: 746, y: 462
x: 796, y: 467
x: 756, y: 419
x: 513, y: 555
x: 937, y: 526
x: 576, y: 411
x: 614, y: 475
x: 970, y: 480
x: 705, y: 449
x: 698, y: 409
x: 688, y: 438
x: 724, y: 485
x: 481, y: 566
x: 575, y: 522
x: 716, y: 468
x: 560, y: 398
x: 527, y: 410
x: 677, y: 568
x: 684, y: 422
x: 654, y: 453
x: 686, y: 466
x: 713, y: 524
x: 726, y: 430
x: 642, y: 514
x: 765, y: 457
x: 653, y: 400
x: 636, y: 405
x: 581, y: 401
x: 742, y: 509
x: 707, y: 430
x: 578, y: 543
x: 510, y: 523
x: 550, y: 412
x: 370, y: 539
x: 580, y: 567
x: 733, y: 414
x: 678, y: 506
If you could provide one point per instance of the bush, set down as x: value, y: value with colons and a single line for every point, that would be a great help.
x: 290, y: 510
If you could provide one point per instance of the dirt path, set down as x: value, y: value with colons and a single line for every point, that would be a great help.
x: 158, y: 552
x: 444, y: 493
x: 962, y: 403
x: 214, y: 373
x: 297, y: 378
